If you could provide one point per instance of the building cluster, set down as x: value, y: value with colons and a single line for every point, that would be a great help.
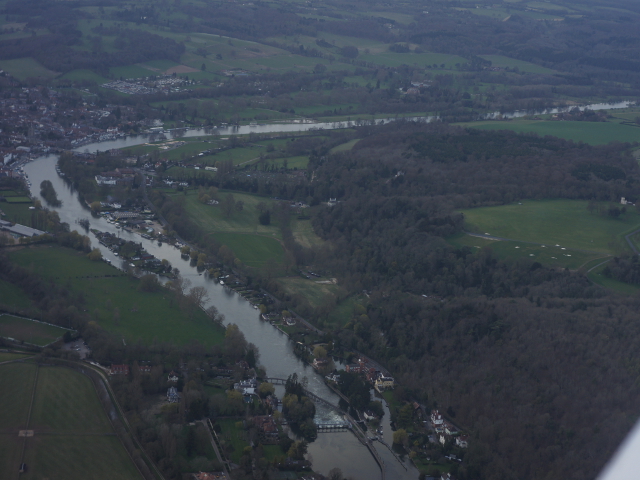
x: 380, y: 381
x: 149, y: 85
x: 446, y: 431
x: 19, y: 231
x: 119, y: 176
x: 38, y: 120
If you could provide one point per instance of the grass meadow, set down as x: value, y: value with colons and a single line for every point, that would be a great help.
x: 549, y: 255
x: 29, y: 331
x: 115, y: 302
x: 17, y: 212
x: 66, y: 403
x: 252, y: 250
x: 315, y: 293
x: 23, y: 68
x: 254, y: 244
x: 593, y: 133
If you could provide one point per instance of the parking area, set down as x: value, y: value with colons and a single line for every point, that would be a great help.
x: 78, y: 346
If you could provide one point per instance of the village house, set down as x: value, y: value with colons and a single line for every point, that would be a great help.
x: 319, y: 363
x: 172, y: 377
x: 18, y: 231
x: 119, y: 370
x: 145, y: 369
x: 450, y: 429
x: 353, y: 368
x: 267, y: 428
x: 462, y: 441
x: 369, y: 415
x: 436, y: 418
x: 384, y: 383
x: 246, y: 387
x: 172, y: 395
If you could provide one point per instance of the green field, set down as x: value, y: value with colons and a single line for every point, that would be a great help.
x: 73, y: 438
x: 550, y: 222
x: 29, y: 331
x: 115, y: 302
x: 550, y: 256
x: 83, y: 74
x: 23, y: 68
x: 252, y: 250
x: 212, y: 220
x: 391, y: 59
x: 66, y: 403
x: 254, y: 244
x: 506, y: 62
x: 16, y: 385
x: 315, y: 293
x: 17, y: 212
x: 18, y: 200
x: 594, y: 133
x: 7, y: 357
x: 344, y: 146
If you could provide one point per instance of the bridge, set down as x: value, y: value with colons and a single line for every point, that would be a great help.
x: 352, y: 424
x: 311, y: 395
x: 333, y: 427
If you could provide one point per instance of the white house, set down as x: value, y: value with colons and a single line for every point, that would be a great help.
x: 436, y: 418
x: 462, y: 441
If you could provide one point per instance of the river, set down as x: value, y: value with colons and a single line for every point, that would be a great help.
x: 329, y: 450
x: 306, y: 125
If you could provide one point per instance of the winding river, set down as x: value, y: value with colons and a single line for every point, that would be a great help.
x: 339, y: 449
x: 329, y: 450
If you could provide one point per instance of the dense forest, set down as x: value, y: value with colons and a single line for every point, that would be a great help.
x: 550, y: 355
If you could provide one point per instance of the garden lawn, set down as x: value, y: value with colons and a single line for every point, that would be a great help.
x: 29, y: 331
x: 233, y: 436
x: 551, y: 222
x: 593, y: 133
